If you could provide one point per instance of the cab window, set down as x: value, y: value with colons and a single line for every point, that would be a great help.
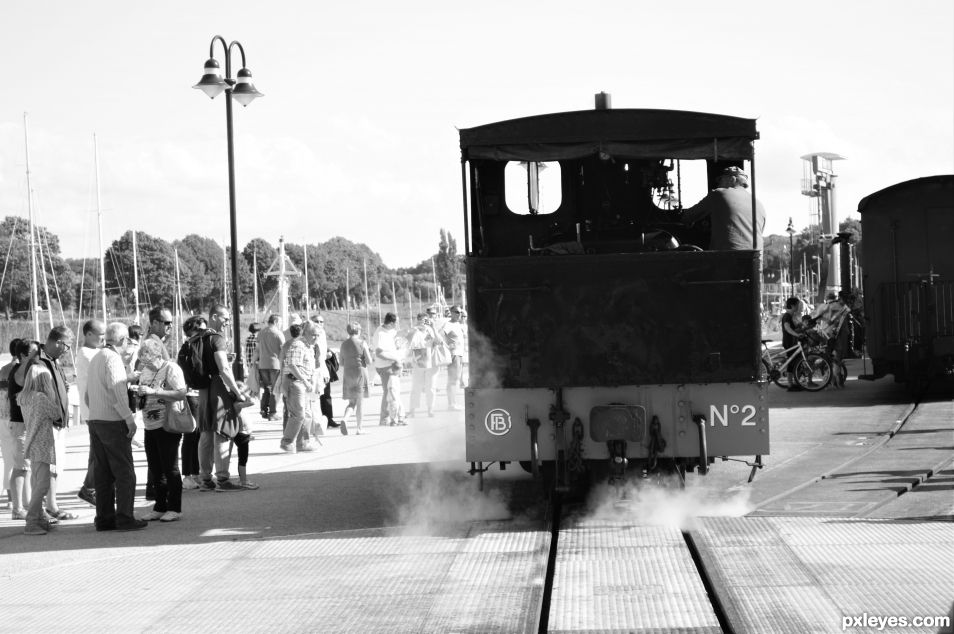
x: 532, y: 188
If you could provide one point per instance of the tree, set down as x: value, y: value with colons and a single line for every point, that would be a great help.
x: 155, y: 260
x: 16, y: 283
x: 261, y: 254
x: 201, y: 262
x: 86, y: 286
x: 448, y: 265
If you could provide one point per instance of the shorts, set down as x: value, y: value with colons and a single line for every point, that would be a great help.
x: 18, y: 431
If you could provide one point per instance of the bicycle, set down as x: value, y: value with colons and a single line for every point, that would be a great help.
x: 812, y: 371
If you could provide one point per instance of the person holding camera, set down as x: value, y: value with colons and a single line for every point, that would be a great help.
x: 160, y: 383
x: 422, y: 341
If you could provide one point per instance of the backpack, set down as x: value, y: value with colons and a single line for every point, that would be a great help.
x: 195, y: 363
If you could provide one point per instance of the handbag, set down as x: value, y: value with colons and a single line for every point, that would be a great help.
x: 333, y: 366
x: 179, y: 420
x: 442, y: 355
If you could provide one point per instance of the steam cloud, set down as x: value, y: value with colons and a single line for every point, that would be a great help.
x: 665, y: 504
x: 439, y: 499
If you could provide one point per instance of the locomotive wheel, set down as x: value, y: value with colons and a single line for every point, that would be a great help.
x: 813, y: 373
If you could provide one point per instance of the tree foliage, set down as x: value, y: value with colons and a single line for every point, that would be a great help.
x: 54, y: 277
x: 336, y: 273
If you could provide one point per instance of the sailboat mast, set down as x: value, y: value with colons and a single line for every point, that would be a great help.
x: 367, y: 299
x: 225, y: 277
x: 178, y: 300
x: 255, y: 283
x: 34, y: 294
x: 135, y: 275
x: 99, y: 222
x: 307, y: 302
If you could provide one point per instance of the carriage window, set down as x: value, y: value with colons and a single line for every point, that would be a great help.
x: 532, y: 188
x: 692, y: 183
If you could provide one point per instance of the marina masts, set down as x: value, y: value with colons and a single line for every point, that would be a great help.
x: 34, y: 294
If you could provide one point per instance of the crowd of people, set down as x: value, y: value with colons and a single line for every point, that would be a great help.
x: 297, y: 365
x: 191, y: 405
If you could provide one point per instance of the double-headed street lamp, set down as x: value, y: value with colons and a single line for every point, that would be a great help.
x: 791, y: 254
x: 243, y: 91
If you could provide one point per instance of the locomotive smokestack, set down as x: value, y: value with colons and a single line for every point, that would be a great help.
x: 603, y: 101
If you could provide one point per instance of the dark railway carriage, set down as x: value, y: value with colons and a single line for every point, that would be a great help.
x: 601, y: 332
x: 908, y: 264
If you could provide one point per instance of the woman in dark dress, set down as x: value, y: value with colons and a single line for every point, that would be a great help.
x: 355, y: 359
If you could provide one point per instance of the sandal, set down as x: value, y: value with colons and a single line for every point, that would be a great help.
x: 251, y: 486
x: 62, y: 515
x: 19, y: 514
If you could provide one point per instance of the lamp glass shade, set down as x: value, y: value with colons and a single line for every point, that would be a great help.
x: 211, y: 83
x: 244, y: 90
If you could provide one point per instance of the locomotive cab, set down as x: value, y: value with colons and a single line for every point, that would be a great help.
x: 602, y: 330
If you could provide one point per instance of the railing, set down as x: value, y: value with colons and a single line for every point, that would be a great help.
x: 917, y: 311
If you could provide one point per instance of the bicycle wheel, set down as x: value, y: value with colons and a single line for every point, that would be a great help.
x: 780, y: 379
x: 813, y: 372
x: 765, y: 370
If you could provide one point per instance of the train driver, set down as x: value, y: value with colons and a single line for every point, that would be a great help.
x: 729, y: 209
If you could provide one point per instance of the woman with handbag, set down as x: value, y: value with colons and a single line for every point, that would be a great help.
x: 162, y: 392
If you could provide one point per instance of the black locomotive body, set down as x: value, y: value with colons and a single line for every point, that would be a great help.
x: 602, y: 330
x: 908, y: 264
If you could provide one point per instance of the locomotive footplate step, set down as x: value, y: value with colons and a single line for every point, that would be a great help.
x: 799, y: 575
x: 613, y: 576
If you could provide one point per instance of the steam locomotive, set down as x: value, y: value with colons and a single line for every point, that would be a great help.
x: 604, y: 338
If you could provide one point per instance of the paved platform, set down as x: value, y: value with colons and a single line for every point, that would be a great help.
x: 798, y: 575
x: 891, y: 466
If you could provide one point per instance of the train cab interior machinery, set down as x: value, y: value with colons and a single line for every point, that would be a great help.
x: 601, y: 181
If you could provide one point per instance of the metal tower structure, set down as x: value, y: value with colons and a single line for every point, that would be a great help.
x: 818, y: 183
x: 282, y: 268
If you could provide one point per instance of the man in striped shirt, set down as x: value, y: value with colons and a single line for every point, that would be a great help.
x: 298, y: 381
x: 111, y: 429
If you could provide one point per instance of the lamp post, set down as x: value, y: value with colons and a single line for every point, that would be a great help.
x: 243, y: 91
x: 791, y: 254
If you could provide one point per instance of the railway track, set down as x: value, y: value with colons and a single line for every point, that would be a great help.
x: 618, y: 574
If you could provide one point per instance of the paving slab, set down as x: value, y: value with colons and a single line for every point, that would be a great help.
x: 803, y: 575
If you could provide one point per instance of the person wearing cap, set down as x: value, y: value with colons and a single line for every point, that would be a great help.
x: 729, y: 210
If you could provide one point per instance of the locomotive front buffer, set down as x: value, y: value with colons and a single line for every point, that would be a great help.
x: 569, y: 435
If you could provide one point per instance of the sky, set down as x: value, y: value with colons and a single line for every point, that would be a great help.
x: 357, y: 133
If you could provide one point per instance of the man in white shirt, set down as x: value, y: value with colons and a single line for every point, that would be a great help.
x: 111, y: 429
x: 386, y: 354
x: 455, y: 336
x: 94, y: 338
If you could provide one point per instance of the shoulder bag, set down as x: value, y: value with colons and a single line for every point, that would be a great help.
x: 442, y: 355
x: 179, y: 418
